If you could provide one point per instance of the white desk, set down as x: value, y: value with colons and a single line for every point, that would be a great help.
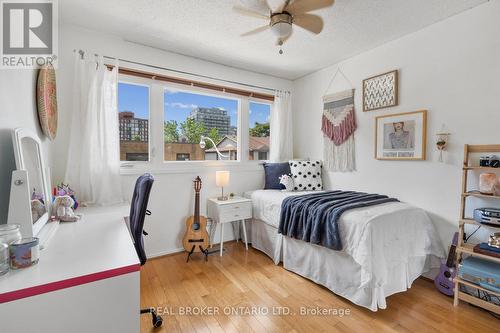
x: 87, y: 280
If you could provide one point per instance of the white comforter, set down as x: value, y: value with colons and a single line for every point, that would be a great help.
x: 376, y: 237
x: 266, y: 204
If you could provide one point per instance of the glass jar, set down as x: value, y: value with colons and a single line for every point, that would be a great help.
x: 4, y: 258
x: 10, y: 233
x: 24, y: 253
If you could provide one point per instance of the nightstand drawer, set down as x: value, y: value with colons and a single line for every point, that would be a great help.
x: 234, y: 212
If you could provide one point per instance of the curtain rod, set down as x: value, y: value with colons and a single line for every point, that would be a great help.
x: 81, y: 52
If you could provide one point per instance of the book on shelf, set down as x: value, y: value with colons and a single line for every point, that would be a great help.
x: 485, y: 249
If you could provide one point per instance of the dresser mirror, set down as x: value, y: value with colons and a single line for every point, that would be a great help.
x: 30, y: 200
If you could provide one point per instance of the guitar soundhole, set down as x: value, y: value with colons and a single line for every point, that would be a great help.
x: 447, y: 274
x: 196, y: 226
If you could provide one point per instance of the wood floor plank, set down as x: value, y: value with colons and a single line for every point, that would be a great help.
x: 241, y: 284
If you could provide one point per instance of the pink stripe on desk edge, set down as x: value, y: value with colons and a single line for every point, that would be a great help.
x: 68, y: 283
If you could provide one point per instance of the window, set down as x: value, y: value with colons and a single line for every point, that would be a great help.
x: 188, y: 116
x: 136, y: 156
x: 259, y: 131
x: 162, y: 123
x: 183, y: 157
x: 133, y: 108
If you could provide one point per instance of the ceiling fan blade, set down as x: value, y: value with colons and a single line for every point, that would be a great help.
x: 310, y: 22
x: 259, y: 6
x: 303, y: 6
x: 255, y: 31
x: 250, y: 13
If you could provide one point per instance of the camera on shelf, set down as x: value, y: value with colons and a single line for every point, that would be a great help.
x: 489, y: 161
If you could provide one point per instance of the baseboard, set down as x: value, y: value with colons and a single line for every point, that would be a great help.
x: 425, y: 278
x: 165, y: 253
x: 180, y: 250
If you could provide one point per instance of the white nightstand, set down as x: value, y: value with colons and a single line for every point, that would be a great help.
x: 232, y: 210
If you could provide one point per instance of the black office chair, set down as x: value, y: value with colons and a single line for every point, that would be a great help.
x: 138, y: 211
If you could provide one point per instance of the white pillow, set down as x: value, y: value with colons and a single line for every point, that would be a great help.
x: 306, y: 175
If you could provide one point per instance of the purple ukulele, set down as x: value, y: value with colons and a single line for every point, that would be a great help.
x: 447, y: 272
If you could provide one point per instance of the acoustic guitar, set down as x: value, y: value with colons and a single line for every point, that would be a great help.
x: 196, y: 238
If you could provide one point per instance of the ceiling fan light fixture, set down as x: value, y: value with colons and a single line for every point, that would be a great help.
x: 281, y: 29
x: 281, y: 25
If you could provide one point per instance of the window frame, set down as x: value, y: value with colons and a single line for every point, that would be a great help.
x: 133, y: 80
x: 156, y: 163
x: 266, y: 102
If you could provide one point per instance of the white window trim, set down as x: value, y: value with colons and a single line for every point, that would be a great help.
x: 145, y: 83
x: 157, y: 164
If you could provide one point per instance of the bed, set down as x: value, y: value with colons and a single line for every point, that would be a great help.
x: 385, y: 248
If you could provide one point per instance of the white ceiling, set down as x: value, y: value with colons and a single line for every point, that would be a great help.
x: 210, y: 30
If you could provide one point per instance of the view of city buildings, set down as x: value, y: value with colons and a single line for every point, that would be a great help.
x: 188, y: 116
x: 214, y: 118
x: 133, y: 129
x: 134, y: 138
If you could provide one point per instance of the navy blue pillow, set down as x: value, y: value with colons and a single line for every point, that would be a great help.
x: 273, y: 173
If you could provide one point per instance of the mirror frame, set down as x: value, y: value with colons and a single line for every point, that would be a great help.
x: 18, y: 135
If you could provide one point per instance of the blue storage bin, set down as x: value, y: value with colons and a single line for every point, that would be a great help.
x: 482, y: 272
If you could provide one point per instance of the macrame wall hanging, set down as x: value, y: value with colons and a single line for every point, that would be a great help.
x: 338, y: 126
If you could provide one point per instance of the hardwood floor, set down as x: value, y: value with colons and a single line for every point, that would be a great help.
x: 242, y: 282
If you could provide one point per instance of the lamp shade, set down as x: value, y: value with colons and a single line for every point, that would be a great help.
x: 221, y: 178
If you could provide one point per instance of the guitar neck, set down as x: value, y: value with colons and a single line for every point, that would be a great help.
x: 197, y: 207
x: 451, y: 256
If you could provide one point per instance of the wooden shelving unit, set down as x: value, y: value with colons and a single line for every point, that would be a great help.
x: 479, y: 168
x: 468, y: 249
x: 472, y: 221
x: 479, y: 195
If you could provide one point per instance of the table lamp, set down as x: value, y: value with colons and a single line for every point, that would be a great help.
x: 221, y: 180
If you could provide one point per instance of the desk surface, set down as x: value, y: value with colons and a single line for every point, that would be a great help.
x: 97, y: 247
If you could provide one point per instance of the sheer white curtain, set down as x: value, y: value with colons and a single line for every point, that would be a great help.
x: 281, y: 127
x: 93, y: 167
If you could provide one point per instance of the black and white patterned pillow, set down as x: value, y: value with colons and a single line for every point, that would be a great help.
x: 306, y: 175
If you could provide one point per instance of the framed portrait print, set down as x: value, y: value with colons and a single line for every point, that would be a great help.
x: 380, y: 91
x: 401, y: 136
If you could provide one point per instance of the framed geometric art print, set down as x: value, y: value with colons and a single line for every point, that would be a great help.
x: 380, y: 91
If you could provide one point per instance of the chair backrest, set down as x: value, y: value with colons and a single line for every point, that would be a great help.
x: 138, y: 209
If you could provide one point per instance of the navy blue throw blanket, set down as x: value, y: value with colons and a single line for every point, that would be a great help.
x: 314, y: 217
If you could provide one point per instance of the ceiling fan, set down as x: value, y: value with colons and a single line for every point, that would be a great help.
x: 281, y: 20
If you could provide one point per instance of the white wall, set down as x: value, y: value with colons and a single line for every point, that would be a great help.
x: 452, y: 69
x: 172, y: 197
x: 17, y: 109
